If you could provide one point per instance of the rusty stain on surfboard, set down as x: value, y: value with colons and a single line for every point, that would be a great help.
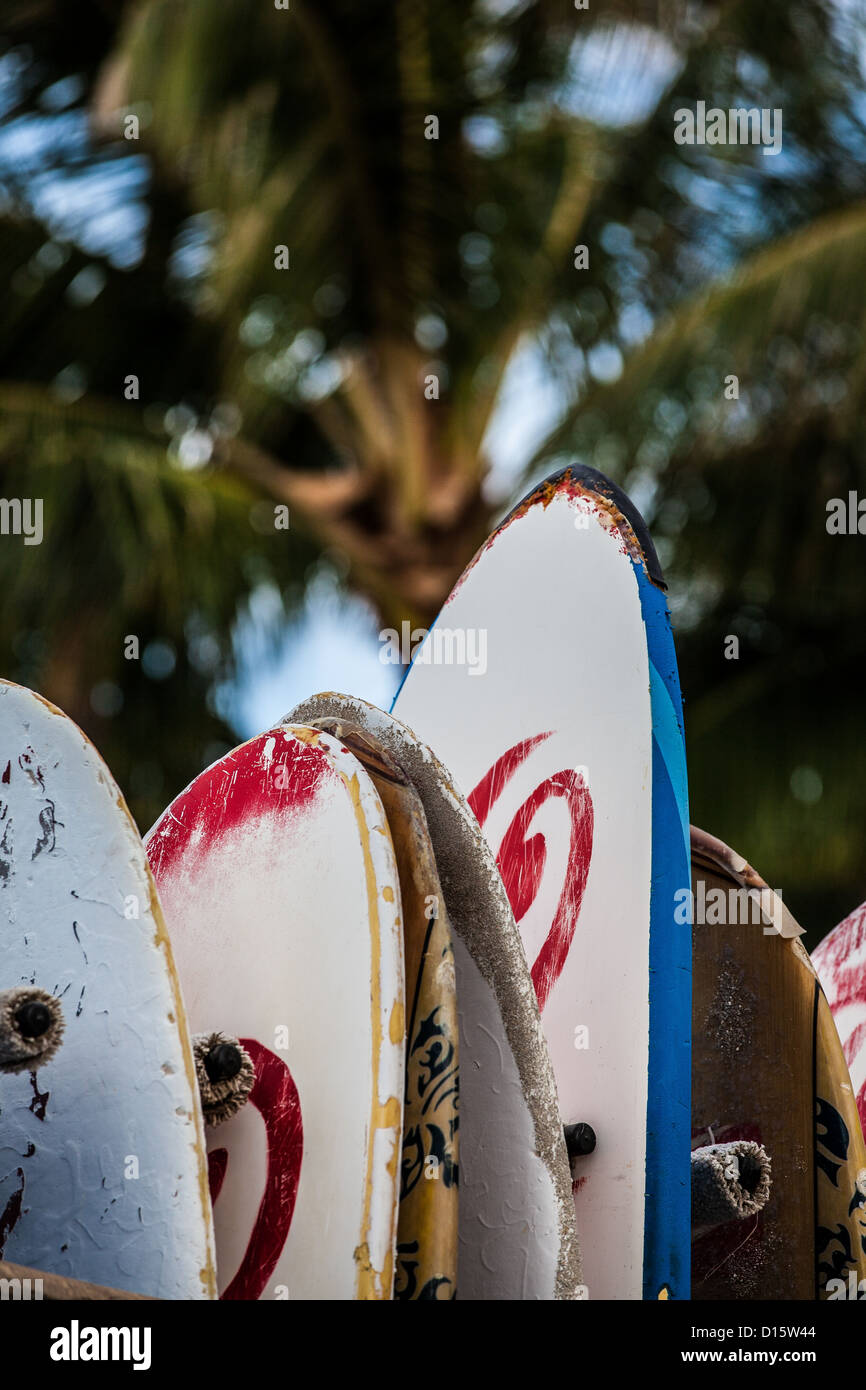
x: 612, y: 519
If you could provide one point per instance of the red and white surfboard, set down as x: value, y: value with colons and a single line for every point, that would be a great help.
x: 278, y: 880
x: 840, y: 961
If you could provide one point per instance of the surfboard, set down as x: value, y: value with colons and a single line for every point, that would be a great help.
x: 840, y: 960
x: 516, y: 1236
x: 429, y: 1161
x: 277, y: 875
x: 769, y: 1067
x: 548, y: 685
x: 102, y: 1157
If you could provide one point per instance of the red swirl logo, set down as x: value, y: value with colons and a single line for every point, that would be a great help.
x: 275, y: 1096
x: 522, y: 857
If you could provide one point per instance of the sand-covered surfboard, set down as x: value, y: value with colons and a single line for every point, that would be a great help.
x: 516, y: 1224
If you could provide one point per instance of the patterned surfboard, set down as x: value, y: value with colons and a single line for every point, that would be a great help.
x: 516, y: 1216
x: 102, y: 1157
x: 768, y: 1067
x: 278, y: 880
x: 548, y: 685
x: 840, y: 960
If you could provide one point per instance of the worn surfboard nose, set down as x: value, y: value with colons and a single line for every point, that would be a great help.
x: 277, y: 873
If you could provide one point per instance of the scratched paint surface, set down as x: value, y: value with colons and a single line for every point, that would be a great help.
x: 768, y: 1058
x: 553, y: 747
x: 840, y: 960
x: 102, y: 1173
x: 515, y: 1216
x: 279, y: 884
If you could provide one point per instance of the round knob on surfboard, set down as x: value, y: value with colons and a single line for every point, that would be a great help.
x: 33, y: 1019
x: 31, y: 1028
x: 223, y: 1062
x: 225, y: 1075
x: 579, y: 1140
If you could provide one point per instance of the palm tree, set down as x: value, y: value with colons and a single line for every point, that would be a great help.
x: 361, y: 225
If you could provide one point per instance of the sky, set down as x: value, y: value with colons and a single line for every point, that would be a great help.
x: 332, y: 645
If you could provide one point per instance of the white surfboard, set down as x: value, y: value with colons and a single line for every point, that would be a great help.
x: 102, y: 1160
x: 548, y: 685
x: 279, y: 884
x: 516, y: 1220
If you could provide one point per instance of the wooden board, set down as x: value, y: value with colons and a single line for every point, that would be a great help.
x: 516, y: 1222
x: 278, y: 879
x: 567, y: 741
x: 427, y: 1219
x: 102, y: 1162
x: 768, y: 1066
x: 55, y: 1288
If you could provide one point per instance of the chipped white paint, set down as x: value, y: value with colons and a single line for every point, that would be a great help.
x: 102, y: 1173
x: 516, y: 1220
x: 280, y: 887
x: 567, y: 664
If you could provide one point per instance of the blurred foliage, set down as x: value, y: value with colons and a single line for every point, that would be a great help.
x: 133, y: 547
x: 454, y: 258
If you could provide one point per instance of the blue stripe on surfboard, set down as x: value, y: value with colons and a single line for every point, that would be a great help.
x: 416, y: 657
x: 668, y: 731
x: 667, y: 1210
x: 406, y: 674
